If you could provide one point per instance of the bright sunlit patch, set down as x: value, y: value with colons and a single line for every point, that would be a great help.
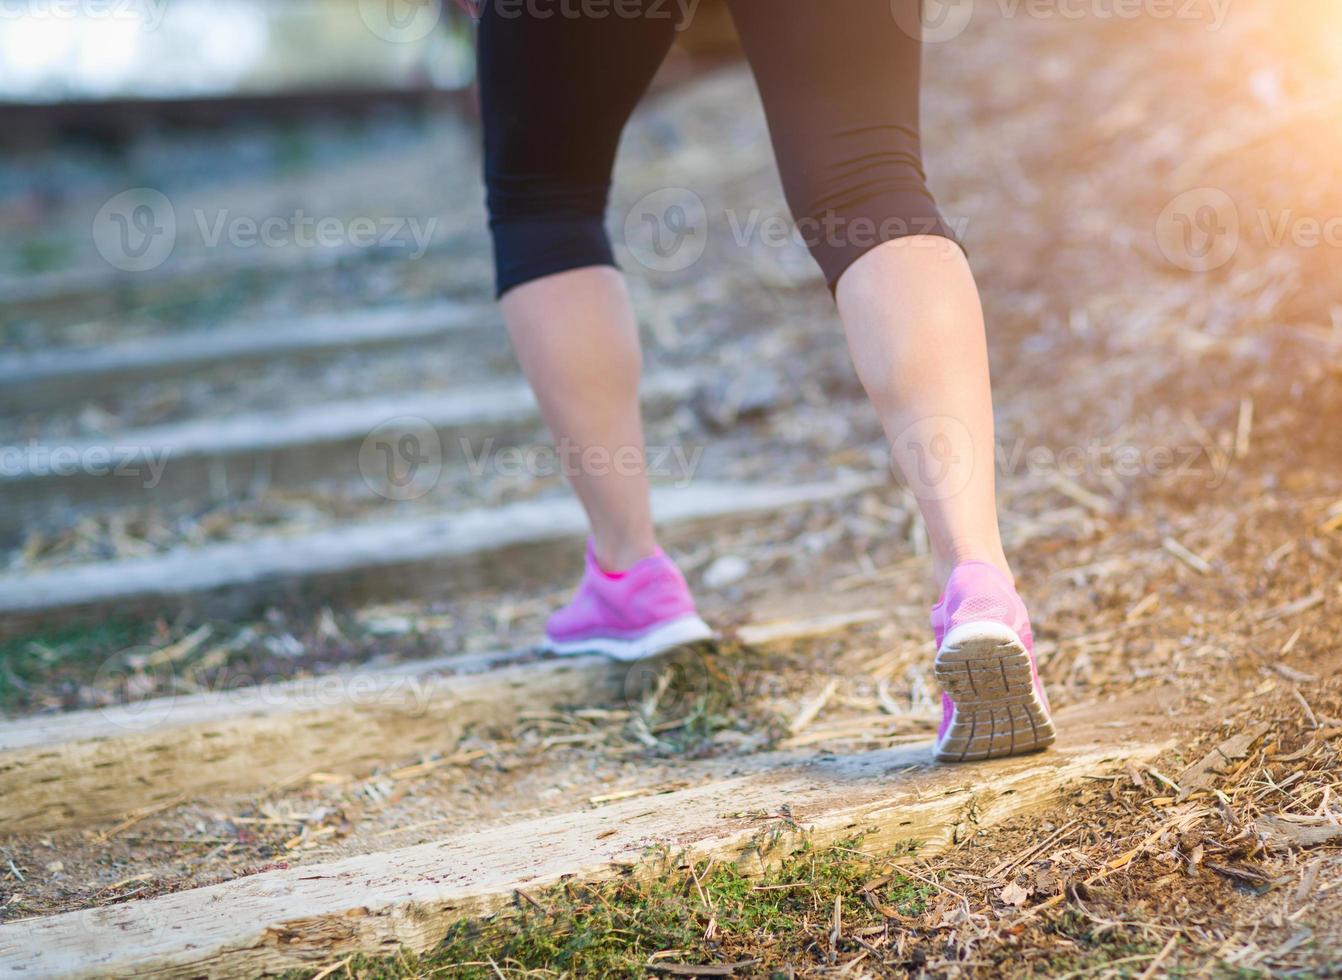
x: 205, y: 47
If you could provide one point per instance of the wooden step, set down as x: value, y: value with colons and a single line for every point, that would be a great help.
x: 185, y: 464
x: 98, y: 285
x: 103, y: 283
x: 86, y: 766
x: 377, y: 903
x: 61, y: 376
x: 373, y: 560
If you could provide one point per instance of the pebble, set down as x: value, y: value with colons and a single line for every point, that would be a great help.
x: 727, y: 570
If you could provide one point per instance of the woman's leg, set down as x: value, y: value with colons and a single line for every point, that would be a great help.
x: 840, y: 83
x: 556, y: 91
x: 575, y: 336
x: 915, y: 328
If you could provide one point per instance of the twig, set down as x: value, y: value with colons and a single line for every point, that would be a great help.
x: 1189, y: 558
x: 332, y: 968
x: 1011, y: 863
x: 1303, y: 604
x: 176, y: 651
x: 525, y: 897
x: 1106, y: 965
x: 1149, y: 600
x: 1073, y: 490
x: 814, y: 707
x: 843, y: 970
x: 1309, y: 712
x: 136, y: 817
x: 908, y: 869
x: 1150, y: 971
x: 1118, y: 863
x: 1157, y: 774
x: 694, y: 877
x: 1289, y: 645
x: 1244, y: 427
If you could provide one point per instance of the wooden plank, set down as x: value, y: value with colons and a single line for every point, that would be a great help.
x: 409, y: 897
x: 86, y: 766
x: 33, y: 380
x: 366, y: 561
x: 184, y: 464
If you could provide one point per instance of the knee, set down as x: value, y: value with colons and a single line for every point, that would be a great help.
x: 843, y: 233
x: 859, y: 189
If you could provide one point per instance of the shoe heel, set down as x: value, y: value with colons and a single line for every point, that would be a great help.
x: 986, y: 670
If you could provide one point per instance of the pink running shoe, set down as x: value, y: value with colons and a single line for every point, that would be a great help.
x: 627, y: 615
x: 993, y: 702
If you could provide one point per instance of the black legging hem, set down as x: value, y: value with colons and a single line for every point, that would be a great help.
x: 565, y: 252
x: 893, y: 216
x: 527, y: 249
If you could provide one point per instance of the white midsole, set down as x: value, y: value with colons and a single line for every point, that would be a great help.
x: 688, y: 629
x: 985, y: 629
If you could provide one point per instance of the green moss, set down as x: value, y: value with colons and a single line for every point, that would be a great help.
x: 612, y: 929
x: 37, y: 664
x: 43, y: 254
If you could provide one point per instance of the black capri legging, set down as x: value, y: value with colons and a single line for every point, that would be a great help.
x: 839, y: 80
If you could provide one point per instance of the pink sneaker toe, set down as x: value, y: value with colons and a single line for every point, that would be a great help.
x: 628, y: 615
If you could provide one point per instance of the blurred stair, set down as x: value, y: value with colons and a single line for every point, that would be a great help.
x: 220, y: 459
x: 53, y: 377
x: 366, y: 561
